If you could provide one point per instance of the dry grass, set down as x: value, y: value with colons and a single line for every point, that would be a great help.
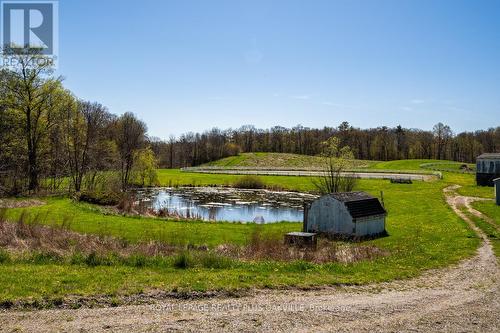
x: 12, y: 203
x: 27, y: 235
x: 272, y: 247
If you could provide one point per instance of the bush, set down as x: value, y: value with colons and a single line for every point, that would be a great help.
x: 44, y: 258
x: 93, y: 260
x: 183, y: 260
x: 138, y: 260
x: 216, y: 261
x: 250, y: 182
x: 103, y: 198
x: 4, y: 257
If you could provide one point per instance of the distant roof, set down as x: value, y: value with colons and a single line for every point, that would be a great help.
x: 490, y: 156
x: 360, y: 204
x: 351, y: 196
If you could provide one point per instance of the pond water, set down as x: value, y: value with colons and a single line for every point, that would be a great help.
x: 226, y: 204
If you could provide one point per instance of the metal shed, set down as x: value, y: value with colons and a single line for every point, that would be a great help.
x: 351, y: 214
x: 487, y: 168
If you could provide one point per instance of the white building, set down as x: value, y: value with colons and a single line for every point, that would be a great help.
x: 350, y: 214
x: 487, y: 168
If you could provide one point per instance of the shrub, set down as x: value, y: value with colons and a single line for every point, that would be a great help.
x: 138, y: 260
x: 104, y: 198
x: 213, y: 260
x: 126, y: 203
x: 93, y: 260
x: 77, y: 258
x: 4, y: 257
x: 183, y: 260
x: 250, y: 182
x: 43, y: 258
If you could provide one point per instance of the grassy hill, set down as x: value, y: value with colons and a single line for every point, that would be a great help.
x: 276, y: 160
x: 295, y: 161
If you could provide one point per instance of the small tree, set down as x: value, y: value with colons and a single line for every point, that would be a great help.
x: 145, y: 165
x: 337, y: 160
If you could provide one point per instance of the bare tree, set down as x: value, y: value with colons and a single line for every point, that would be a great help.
x: 84, y: 121
x: 130, y: 137
x: 442, y: 134
x: 337, y: 161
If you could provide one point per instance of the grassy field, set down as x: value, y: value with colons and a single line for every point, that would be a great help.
x: 424, y: 233
x: 295, y: 161
x: 413, y: 164
x: 175, y: 177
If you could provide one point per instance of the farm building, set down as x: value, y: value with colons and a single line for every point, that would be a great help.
x: 487, y: 168
x: 350, y: 214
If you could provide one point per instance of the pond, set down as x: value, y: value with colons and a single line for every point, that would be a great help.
x: 226, y: 204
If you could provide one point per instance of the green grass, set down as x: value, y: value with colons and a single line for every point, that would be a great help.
x: 449, y: 166
x: 468, y: 185
x: 489, y: 208
x: 175, y: 177
x: 416, y: 164
x: 86, y: 218
x: 493, y: 233
x: 424, y: 233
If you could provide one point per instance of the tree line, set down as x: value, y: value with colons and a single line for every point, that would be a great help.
x: 381, y: 143
x: 49, y: 138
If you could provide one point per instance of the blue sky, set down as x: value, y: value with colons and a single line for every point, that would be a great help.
x: 191, y: 65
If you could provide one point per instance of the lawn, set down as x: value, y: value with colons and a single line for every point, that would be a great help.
x: 489, y: 208
x: 423, y: 233
x: 176, y: 177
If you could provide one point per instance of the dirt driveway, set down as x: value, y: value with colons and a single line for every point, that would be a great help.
x: 464, y: 298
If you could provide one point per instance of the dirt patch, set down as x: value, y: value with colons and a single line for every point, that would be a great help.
x: 24, y: 203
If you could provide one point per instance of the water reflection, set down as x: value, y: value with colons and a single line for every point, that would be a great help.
x: 227, y: 204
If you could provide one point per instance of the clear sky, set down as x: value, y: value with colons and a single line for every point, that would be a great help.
x: 191, y: 65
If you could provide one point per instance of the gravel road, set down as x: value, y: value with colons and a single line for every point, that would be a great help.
x: 463, y: 298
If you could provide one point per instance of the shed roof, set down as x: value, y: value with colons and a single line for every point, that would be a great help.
x: 490, y: 156
x: 360, y: 204
x: 351, y: 196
